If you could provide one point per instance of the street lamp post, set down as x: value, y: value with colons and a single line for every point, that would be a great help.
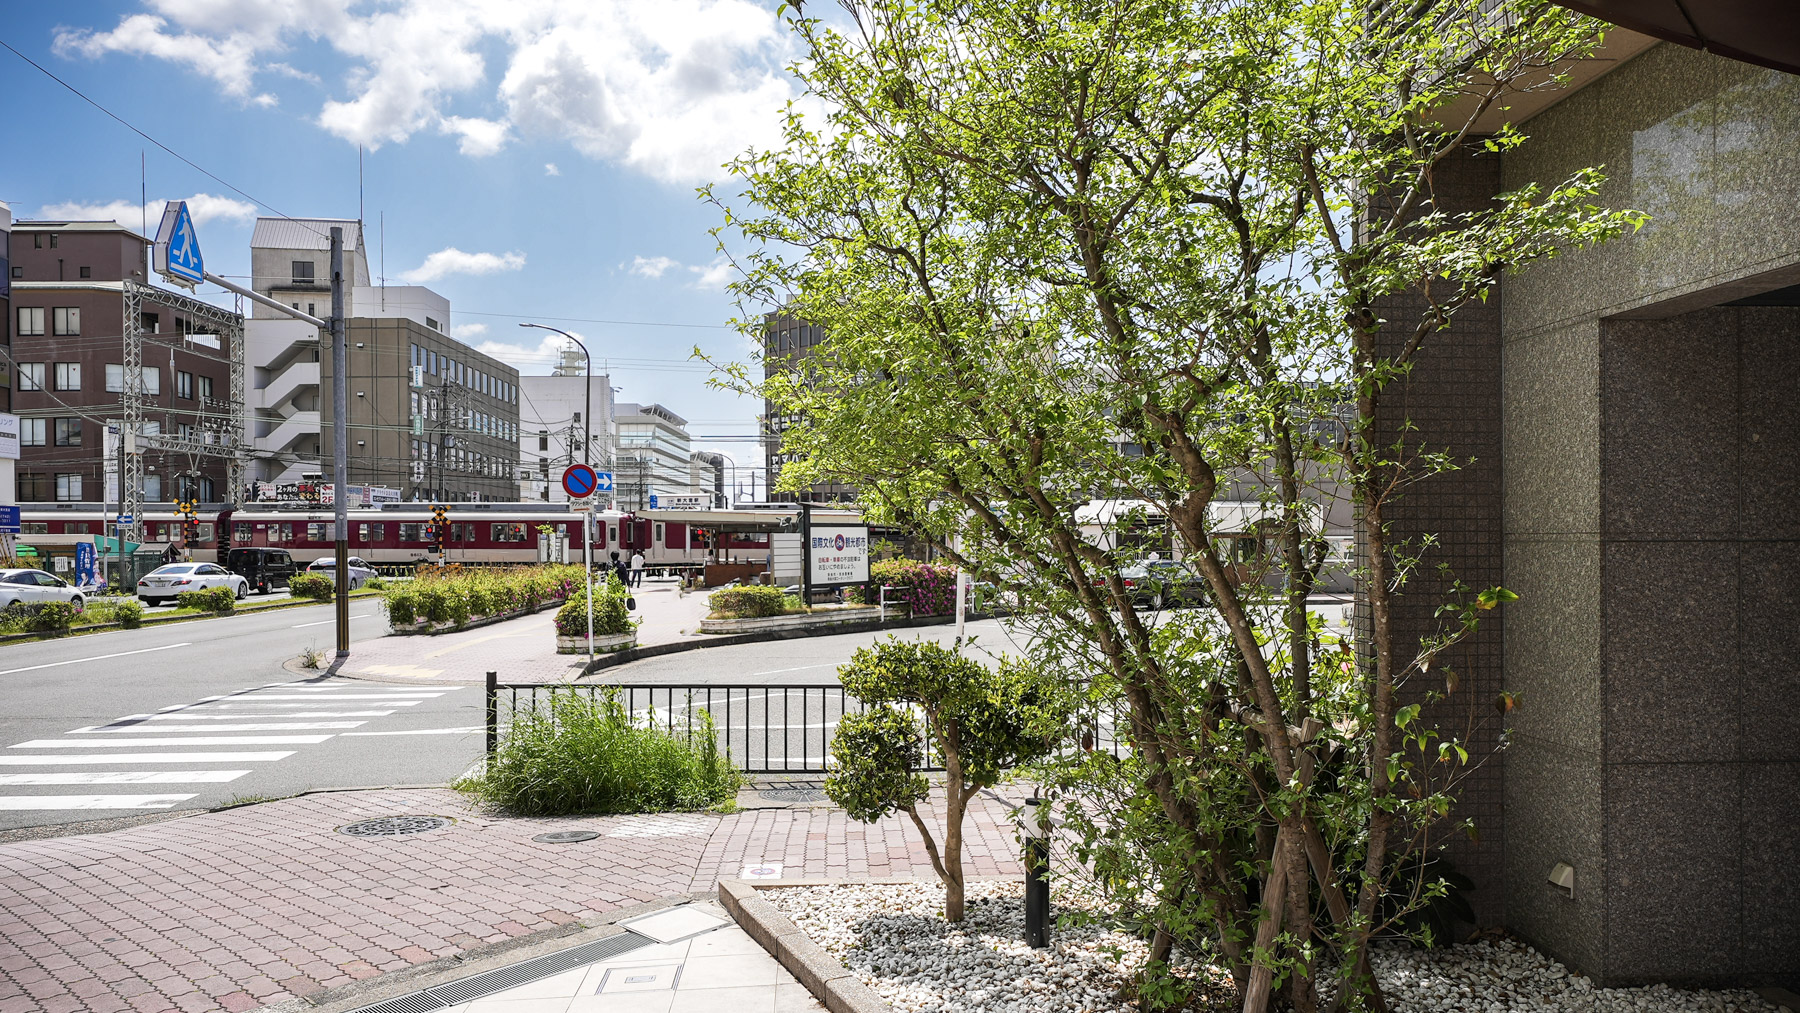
x: 587, y: 457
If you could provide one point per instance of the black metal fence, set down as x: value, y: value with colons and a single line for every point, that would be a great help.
x: 764, y: 729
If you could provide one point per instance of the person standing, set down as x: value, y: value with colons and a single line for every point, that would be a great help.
x: 637, y: 569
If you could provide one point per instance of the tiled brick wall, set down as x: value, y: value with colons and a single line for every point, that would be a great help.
x: 1452, y: 397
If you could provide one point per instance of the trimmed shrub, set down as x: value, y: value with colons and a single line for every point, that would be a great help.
x: 316, y: 586
x: 928, y: 589
x: 748, y: 602
x: 222, y: 600
x: 582, y: 755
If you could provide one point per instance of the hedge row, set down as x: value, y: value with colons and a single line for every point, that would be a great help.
x: 459, y: 597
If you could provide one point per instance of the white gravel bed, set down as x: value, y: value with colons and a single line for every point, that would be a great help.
x: 895, y: 939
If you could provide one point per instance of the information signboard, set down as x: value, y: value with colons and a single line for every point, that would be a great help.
x: 837, y: 555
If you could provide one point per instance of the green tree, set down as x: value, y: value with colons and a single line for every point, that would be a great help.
x: 1095, y: 249
x: 980, y: 721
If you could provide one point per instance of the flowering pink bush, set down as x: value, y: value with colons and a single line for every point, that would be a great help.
x: 929, y: 589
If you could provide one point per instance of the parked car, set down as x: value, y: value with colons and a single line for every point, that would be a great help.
x: 34, y: 587
x: 1163, y: 583
x: 265, y: 569
x: 165, y: 582
x: 360, y: 572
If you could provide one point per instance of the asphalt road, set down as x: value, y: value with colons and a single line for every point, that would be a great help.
x: 92, y: 725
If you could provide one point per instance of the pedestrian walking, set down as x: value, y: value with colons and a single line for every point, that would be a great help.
x: 637, y: 569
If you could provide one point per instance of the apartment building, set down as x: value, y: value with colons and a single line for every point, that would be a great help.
x: 452, y: 436
x: 67, y: 316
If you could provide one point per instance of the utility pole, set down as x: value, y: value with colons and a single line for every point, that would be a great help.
x: 340, y: 439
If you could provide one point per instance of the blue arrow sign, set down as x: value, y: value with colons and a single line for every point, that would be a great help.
x: 579, y: 481
x: 177, y: 248
x: 605, y: 480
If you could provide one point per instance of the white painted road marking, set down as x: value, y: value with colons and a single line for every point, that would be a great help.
x: 273, y: 726
x: 19, y: 802
x: 102, y: 657
x: 126, y: 777
x: 204, y: 740
x: 20, y: 761
x: 425, y: 731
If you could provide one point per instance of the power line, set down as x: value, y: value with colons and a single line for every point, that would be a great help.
x: 129, y: 126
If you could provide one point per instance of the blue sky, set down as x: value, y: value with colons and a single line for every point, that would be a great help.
x: 532, y: 159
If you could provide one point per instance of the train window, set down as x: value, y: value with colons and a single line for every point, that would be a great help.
x: 318, y: 531
x: 412, y: 533
x: 509, y: 532
x: 367, y: 533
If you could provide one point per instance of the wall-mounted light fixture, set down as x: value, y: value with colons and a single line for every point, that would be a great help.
x: 1563, y: 878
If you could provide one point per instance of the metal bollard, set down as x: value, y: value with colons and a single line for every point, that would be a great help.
x: 1035, y: 817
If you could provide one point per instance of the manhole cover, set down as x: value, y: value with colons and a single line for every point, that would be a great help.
x: 394, y: 826
x: 792, y: 794
x: 565, y: 836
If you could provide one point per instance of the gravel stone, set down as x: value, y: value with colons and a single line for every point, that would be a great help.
x: 894, y: 939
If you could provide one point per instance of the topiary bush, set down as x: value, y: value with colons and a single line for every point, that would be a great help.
x: 222, y: 600
x: 582, y: 755
x: 316, y: 586
x: 926, y: 588
x: 747, y: 602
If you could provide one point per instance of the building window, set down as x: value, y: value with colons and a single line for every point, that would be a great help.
x: 371, y: 533
x: 318, y: 531
x: 31, y: 321
x: 31, y: 432
x: 184, y: 384
x: 303, y: 272
x: 68, y: 432
x: 66, y: 320
x: 509, y: 532
x: 68, y: 488
x: 31, y: 376
x: 206, y: 388
x: 87, y: 272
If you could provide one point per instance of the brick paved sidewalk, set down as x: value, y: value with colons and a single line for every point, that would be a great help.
x: 521, y: 650
x: 238, y: 909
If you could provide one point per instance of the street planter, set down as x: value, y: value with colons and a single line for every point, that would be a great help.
x: 803, y: 621
x: 602, y: 644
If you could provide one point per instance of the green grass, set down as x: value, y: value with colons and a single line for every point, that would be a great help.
x: 585, y: 756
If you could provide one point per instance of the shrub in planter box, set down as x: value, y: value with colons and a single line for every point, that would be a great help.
x: 209, y: 599
x: 747, y: 602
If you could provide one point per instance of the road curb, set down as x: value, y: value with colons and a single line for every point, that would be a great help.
x: 824, y: 975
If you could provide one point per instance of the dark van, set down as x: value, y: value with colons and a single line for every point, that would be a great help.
x: 265, y: 569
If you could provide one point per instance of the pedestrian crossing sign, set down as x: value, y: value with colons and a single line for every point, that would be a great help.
x: 177, y: 250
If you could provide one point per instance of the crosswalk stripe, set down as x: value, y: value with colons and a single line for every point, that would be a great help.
x: 336, y: 696
x: 20, y: 802
x: 240, y: 757
x: 203, y: 740
x: 126, y: 777
x: 273, y: 726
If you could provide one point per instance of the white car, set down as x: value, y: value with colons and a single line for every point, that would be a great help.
x: 31, y: 587
x: 360, y: 572
x: 165, y: 582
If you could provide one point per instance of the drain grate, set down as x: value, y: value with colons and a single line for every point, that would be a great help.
x: 394, y: 826
x: 565, y: 836
x: 792, y: 794
x: 537, y: 968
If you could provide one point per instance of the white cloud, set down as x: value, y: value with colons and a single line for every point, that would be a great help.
x: 671, y: 89
x: 652, y: 267
x: 550, y: 169
x: 202, y: 207
x: 463, y: 332
x: 480, y: 137
x: 451, y: 260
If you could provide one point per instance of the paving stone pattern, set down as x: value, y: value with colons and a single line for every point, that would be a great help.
x: 238, y: 909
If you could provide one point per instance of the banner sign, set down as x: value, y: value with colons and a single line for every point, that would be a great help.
x: 838, y: 555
